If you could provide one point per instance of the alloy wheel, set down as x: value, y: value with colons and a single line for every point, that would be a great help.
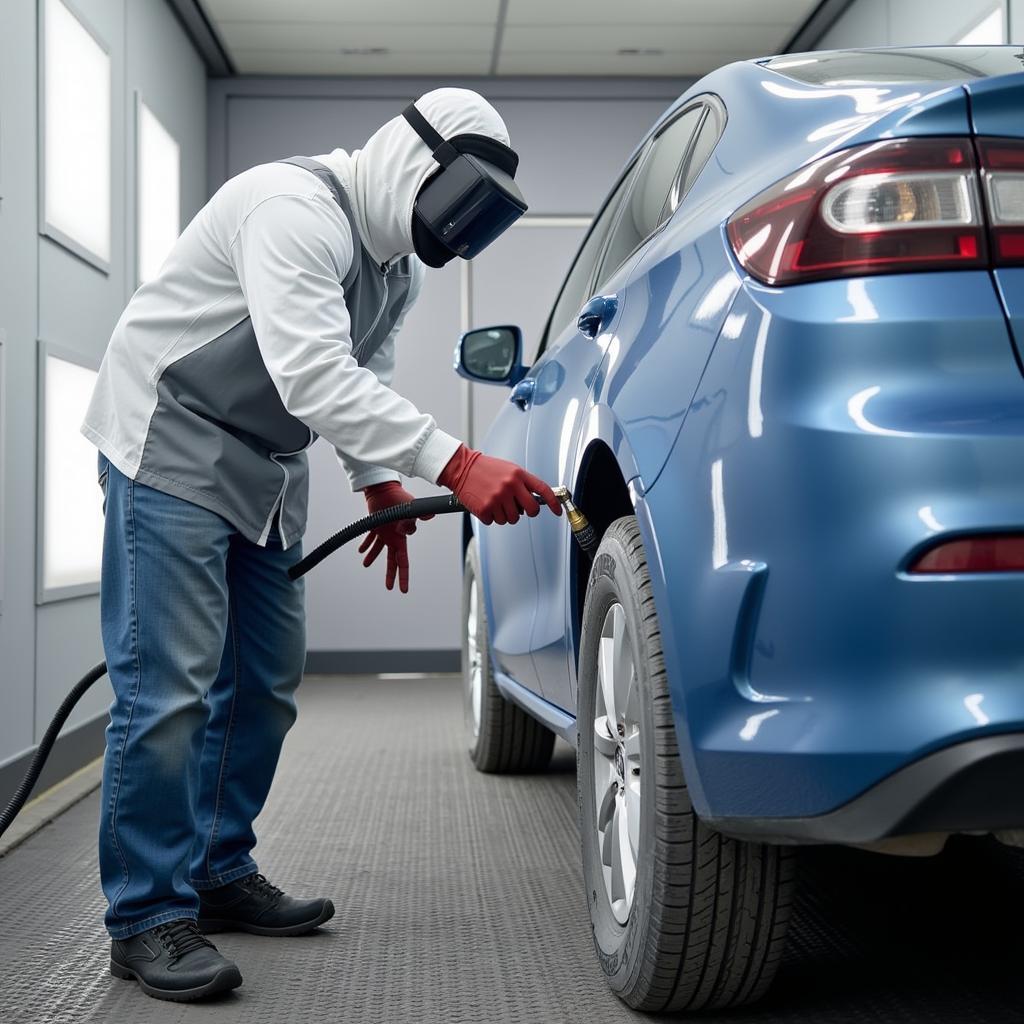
x: 617, y: 762
x: 474, y: 682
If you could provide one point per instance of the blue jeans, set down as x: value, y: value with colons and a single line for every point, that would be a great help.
x: 205, y: 640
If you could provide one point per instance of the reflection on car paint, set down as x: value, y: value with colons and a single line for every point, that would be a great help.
x: 754, y: 723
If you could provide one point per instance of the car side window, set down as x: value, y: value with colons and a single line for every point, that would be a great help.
x: 643, y: 211
x: 708, y: 134
x: 577, y: 282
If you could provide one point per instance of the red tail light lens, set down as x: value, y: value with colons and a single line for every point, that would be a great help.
x: 899, y: 205
x: 1003, y: 162
x: 987, y: 553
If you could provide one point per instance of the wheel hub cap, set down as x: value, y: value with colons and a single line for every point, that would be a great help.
x: 617, y: 763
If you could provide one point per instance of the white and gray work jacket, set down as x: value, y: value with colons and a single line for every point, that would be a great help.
x: 269, y: 323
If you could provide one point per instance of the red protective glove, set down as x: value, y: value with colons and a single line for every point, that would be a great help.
x: 392, y: 536
x: 494, y: 490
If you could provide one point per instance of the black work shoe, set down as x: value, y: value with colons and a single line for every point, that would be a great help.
x: 173, y: 961
x: 253, y: 905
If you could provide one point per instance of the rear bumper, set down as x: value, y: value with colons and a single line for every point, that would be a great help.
x: 973, y: 786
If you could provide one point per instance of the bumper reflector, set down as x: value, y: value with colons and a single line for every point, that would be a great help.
x: 994, y: 552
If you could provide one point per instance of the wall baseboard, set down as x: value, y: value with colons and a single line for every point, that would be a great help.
x: 363, y: 663
x: 73, y: 750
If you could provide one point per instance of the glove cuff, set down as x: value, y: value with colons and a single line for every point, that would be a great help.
x: 384, y: 495
x: 383, y: 490
x: 453, y: 476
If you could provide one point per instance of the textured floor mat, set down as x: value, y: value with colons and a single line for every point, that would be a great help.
x: 459, y: 899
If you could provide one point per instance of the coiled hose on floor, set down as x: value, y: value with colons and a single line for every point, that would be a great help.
x: 438, y: 505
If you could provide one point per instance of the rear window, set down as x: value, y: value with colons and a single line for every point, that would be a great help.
x: 916, y: 64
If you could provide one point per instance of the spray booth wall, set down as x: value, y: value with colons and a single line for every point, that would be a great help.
x: 919, y: 22
x: 62, y: 299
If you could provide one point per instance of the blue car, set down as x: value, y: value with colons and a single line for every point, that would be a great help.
x: 783, y: 381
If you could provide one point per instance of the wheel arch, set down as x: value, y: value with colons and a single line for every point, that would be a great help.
x: 602, y: 494
x: 608, y: 485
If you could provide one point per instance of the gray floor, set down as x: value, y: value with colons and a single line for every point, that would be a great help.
x: 459, y: 899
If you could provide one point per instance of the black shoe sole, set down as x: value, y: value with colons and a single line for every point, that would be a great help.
x: 224, y: 980
x: 209, y: 925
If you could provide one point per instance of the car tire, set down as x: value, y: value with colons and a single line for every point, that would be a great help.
x: 703, y: 922
x: 502, y: 737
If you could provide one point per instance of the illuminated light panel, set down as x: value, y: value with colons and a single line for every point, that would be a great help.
x: 72, y: 534
x: 77, y: 116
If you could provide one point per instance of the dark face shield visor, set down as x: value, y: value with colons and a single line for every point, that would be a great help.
x: 469, y: 201
x: 467, y: 204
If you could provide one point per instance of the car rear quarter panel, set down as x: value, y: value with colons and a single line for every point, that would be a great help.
x: 838, y: 427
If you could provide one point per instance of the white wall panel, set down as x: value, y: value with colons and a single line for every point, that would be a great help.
x: 865, y: 23
x: 19, y: 227
x: 1016, y: 21
x: 921, y: 22
x: 905, y: 23
x: 158, y: 192
x: 515, y: 282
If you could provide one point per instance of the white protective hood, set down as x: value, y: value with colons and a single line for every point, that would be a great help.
x: 383, y: 178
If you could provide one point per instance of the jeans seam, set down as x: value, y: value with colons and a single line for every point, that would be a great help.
x: 218, y: 807
x: 130, y: 521
x: 137, y: 927
x: 233, y: 875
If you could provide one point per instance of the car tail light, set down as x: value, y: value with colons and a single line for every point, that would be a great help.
x: 984, y: 553
x: 898, y: 205
x: 1003, y: 163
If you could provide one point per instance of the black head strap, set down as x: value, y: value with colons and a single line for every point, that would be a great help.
x: 483, y: 146
x: 445, y: 151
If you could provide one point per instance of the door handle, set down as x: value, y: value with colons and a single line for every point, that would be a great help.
x: 596, y: 314
x: 522, y: 393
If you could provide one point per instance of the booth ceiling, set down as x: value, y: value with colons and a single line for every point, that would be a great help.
x: 500, y: 37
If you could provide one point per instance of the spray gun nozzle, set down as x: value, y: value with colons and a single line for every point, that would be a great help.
x: 583, y: 533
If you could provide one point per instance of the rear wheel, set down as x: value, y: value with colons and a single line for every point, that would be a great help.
x: 502, y: 737
x: 684, y: 918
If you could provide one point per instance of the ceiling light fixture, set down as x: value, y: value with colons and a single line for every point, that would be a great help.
x: 637, y: 51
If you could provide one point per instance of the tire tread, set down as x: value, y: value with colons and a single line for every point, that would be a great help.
x: 720, y: 907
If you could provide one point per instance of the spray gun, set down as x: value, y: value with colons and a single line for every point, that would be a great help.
x: 583, y: 533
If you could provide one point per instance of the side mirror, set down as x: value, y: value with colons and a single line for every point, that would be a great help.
x: 491, y: 355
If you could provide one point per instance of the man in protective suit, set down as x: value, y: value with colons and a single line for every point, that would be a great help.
x: 272, y: 321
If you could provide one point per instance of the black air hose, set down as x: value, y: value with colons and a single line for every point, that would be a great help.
x: 439, y: 505
x: 435, y: 506
x: 15, y: 804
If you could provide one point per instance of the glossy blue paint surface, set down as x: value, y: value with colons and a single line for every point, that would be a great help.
x: 996, y: 105
x: 788, y: 451
x: 846, y: 424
